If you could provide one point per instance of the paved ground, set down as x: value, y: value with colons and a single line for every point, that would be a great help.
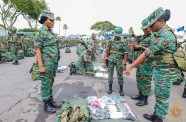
x: 20, y: 96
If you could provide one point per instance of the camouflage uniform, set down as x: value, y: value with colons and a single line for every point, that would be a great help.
x: 47, y: 42
x: 144, y: 71
x: 13, y: 39
x: 130, y: 40
x: 164, y: 74
x: 80, y: 48
x: 83, y: 66
x: 117, y: 48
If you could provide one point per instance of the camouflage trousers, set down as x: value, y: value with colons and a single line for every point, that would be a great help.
x: 14, y: 51
x: 47, y: 80
x: 119, y: 71
x: 163, y: 79
x: 144, y: 78
x: 82, y: 68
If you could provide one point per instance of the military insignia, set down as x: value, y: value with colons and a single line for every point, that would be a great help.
x: 156, y: 41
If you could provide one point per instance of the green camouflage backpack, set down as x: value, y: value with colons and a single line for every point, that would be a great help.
x: 180, y: 57
x: 30, y: 52
x: 20, y: 54
x: 35, y: 72
x: 8, y: 57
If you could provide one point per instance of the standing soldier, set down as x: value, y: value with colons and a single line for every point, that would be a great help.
x: 115, y: 54
x: 47, y: 54
x: 13, y: 44
x: 164, y: 68
x: 130, y: 42
x: 144, y: 71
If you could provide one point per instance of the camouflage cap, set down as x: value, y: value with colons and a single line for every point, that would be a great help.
x: 118, y: 31
x: 13, y: 29
x: 48, y: 14
x: 144, y: 24
x: 155, y: 15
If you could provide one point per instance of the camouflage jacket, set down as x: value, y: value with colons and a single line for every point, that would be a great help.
x: 117, y: 50
x: 164, y: 42
x: 46, y: 40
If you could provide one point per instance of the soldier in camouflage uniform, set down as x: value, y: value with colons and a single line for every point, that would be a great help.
x: 164, y: 68
x: 130, y: 41
x: 47, y: 54
x: 84, y: 63
x: 13, y: 44
x: 115, y: 54
x: 80, y: 48
x: 144, y: 71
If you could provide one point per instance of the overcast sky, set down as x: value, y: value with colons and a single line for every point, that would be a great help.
x: 79, y: 15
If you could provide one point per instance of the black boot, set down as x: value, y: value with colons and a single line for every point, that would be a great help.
x: 110, y: 89
x: 184, y: 93
x: 137, y: 97
x: 176, y: 83
x: 149, y: 117
x: 48, y: 107
x: 15, y: 62
x: 143, y: 101
x: 157, y: 119
x: 121, y: 91
x: 54, y: 104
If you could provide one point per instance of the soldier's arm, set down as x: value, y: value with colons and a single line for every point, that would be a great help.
x: 39, y: 57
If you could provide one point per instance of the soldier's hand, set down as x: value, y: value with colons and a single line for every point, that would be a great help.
x: 124, y: 67
x: 128, y: 71
x: 42, y: 69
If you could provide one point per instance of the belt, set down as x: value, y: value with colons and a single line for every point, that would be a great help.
x: 116, y: 52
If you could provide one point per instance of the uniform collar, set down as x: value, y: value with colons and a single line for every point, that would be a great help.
x: 46, y: 28
x: 165, y: 27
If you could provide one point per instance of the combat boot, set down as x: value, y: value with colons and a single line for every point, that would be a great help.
x: 48, y: 107
x: 54, y: 104
x: 184, y: 93
x: 143, y: 101
x: 157, y: 119
x: 176, y: 83
x: 121, y: 91
x: 110, y: 89
x: 15, y: 62
x: 149, y: 117
x: 137, y: 97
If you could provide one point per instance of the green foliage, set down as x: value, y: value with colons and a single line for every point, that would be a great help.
x: 58, y: 18
x: 27, y: 30
x: 65, y: 27
x: 32, y: 8
x: 103, y: 26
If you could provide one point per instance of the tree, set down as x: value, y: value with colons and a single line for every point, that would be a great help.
x: 103, y: 26
x: 8, y: 14
x: 65, y: 27
x: 58, y: 18
x: 30, y: 9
